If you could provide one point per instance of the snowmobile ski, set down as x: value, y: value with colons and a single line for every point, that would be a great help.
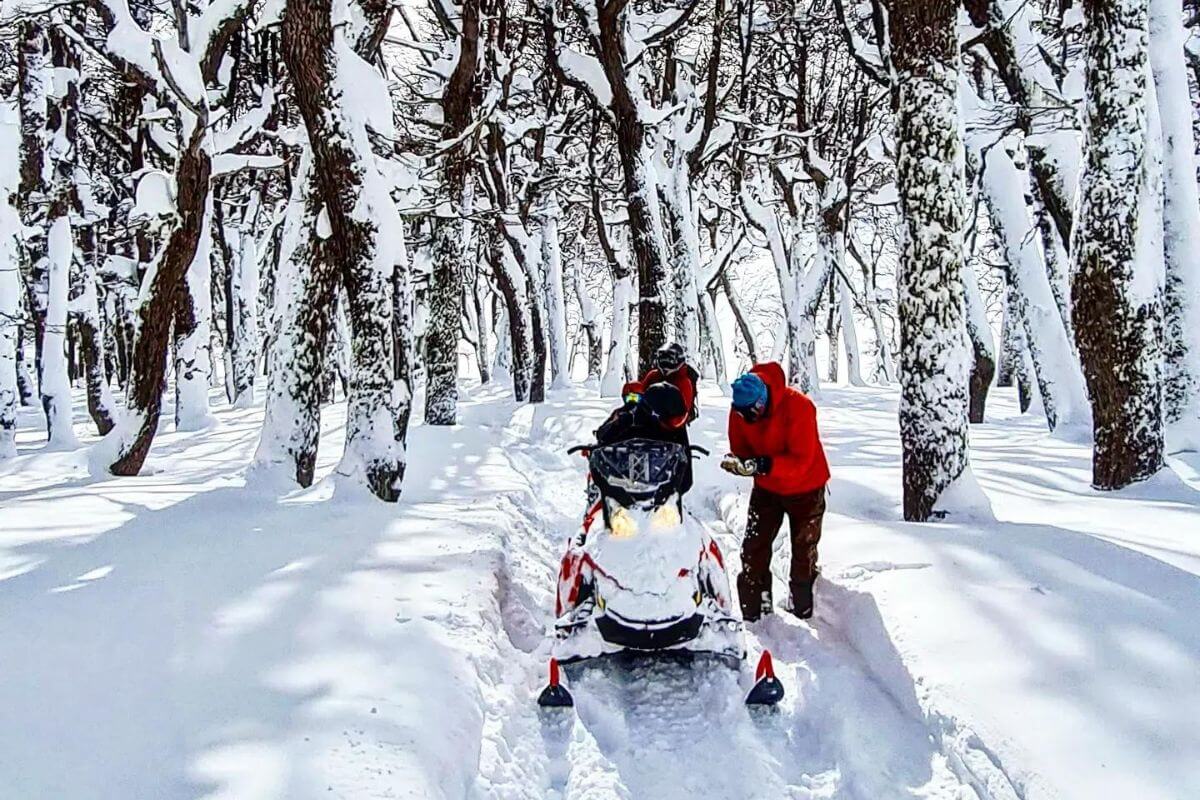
x: 555, y: 695
x: 767, y: 690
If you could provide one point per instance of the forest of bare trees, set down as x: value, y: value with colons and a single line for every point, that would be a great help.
x: 378, y: 203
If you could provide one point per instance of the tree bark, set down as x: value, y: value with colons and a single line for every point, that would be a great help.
x: 933, y: 361
x: 149, y: 364
x: 1117, y: 306
x: 445, y: 292
x: 357, y: 211
x: 1181, y: 220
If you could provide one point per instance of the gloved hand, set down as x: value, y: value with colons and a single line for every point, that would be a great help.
x: 746, y: 467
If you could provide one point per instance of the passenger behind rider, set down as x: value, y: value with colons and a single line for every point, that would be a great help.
x: 670, y: 365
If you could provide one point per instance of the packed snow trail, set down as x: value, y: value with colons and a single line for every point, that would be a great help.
x: 661, y: 728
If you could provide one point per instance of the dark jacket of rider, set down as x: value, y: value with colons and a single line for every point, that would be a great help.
x: 658, y: 414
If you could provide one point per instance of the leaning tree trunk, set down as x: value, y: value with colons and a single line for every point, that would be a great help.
x: 929, y: 162
x: 1181, y: 221
x: 1060, y: 381
x: 135, y: 431
x: 1116, y: 298
x: 362, y: 239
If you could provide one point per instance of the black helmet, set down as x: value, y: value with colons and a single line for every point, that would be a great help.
x: 665, y: 403
x: 669, y: 358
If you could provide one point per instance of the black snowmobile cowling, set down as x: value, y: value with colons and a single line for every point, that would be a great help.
x: 639, y: 471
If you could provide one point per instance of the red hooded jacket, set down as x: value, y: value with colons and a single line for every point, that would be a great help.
x: 787, y: 434
x: 684, y: 379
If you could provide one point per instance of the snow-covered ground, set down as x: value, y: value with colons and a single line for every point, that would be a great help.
x: 182, y: 635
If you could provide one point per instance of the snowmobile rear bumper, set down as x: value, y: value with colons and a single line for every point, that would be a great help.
x: 657, y: 635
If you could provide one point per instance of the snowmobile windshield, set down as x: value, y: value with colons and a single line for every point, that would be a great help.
x: 639, y: 472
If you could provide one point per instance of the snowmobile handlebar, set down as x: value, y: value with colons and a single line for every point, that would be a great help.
x: 586, y: 449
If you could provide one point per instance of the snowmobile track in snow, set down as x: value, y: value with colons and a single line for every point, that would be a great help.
x: 659, y: 728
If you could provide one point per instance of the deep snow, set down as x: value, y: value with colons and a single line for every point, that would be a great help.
x: 183, y: 635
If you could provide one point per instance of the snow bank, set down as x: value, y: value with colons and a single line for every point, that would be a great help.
x: 184, y: 635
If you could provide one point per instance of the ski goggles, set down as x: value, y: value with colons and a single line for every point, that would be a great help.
x: 751, y: 413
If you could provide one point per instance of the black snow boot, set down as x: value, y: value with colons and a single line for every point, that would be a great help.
x: 801, y: 605
x: 747, y: 595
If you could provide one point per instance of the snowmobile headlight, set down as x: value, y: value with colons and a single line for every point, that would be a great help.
x: 621, y: 524
x: 665, y: 516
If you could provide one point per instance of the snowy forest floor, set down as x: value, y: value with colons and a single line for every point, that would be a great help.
x: 183, y: 634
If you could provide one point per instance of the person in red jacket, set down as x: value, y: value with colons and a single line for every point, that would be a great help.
x: 773, y: 437
x: 670, y: 365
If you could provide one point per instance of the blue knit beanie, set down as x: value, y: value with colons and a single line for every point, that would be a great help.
x: 749, y: 391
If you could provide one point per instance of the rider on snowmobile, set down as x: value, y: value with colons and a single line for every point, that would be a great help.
x: 658, y: 413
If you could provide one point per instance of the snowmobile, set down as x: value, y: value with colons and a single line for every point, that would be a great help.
x: 642, y: 575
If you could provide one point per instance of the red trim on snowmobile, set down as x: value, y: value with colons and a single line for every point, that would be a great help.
x: 590, y: 516
x: 716, y: 553
x: 766, y: 668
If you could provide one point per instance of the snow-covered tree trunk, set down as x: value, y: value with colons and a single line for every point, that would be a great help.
x: 1181, y: 225
x: 1060, y: 380
x: 714, y: 338
x: 193, y: 337
x: 799, y: 338
x: 87, y: 312
x: 829, y: 261
x: 676, y: 203
x: 363, y: 226
x: 10, y: 281
x: 135, y: 431
x: 885, y: 370
x: 1116, y: 287
x: 833, y: 323
x: 61, y: 192
x: 305, y: 294
x: 552, y: 291
x: 528, y: 257
x: 478, y: 310
x: 511, y: 282
x: 590, y: 323
x: 623, y: 294
x: 56, y: 383
x: 1009, y: 352
x: 979, y: 336
x: 449, y: 248
x: 929, y: 161
x: 242, y: 310
x: 850, y: 336
x: 402, y: 333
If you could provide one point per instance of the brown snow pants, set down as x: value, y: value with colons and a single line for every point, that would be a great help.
x: 767, y: 509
